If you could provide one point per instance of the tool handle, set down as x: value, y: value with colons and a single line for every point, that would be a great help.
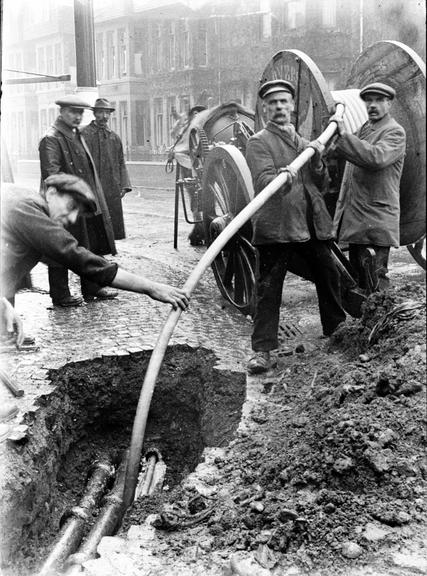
x: 17, y: 392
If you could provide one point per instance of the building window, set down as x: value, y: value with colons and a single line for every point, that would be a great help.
x: 123, y: 112
x: 203, y: 44
x: 172, y: 46
x: 49, y: 60
x: 43, y: 121
x: 113, y: 118
x: 186, y: 44
x: 184, y: 104
x: 41, y: 62
x: 111, y: 56
x: 158, y: 122
x: 296, y: 13
x: 100, y: 63
x: 142, y: 123
x: 171, y: 117
x: 122, y: 53
x: 329, y: 13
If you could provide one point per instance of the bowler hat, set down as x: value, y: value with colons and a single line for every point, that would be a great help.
x: 276, y: 86
x: 74, y: 186
x: 102, y: 104
x: 196, y: 108
x: 72, y: 101
x: 378, y: 88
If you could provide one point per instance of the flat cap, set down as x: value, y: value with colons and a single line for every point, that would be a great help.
x: 72, y: 101
x: 378, y: 88
x: 74, y: 186
x: 102, y: 104
x: 276, y: 86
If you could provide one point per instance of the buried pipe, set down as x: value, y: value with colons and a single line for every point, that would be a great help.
x: 172, y: 320
x: 74, y: 525
x: 153, y: 474
x: 109, y: 518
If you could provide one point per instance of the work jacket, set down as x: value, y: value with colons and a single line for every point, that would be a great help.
x: 64, y: 150
x: 368, y: 208
x: 29, y: 235
x: 291, y: 215
x: 106, y: 149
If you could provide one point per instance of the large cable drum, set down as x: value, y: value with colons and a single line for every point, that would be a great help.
x: 386, y: 61
x: 400, y: 67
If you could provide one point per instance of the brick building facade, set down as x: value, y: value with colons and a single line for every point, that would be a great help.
x: 154, y: 58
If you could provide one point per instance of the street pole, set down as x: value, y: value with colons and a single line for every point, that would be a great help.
x: 85, y: 51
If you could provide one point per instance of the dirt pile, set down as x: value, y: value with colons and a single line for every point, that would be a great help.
x: 330, y: 465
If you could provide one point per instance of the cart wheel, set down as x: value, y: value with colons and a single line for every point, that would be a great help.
x: 227, y: 189
x: 418, y: 252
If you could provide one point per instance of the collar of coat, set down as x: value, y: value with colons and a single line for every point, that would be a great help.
x: 286, y: 133
x: 98, y: 127
x: 68, y: 132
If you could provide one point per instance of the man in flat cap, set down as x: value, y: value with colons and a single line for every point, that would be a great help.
x: 63, y: 150
x: 368, y: 209
x: 34, y: 228
x: 107, y: 152
x: 294, y: 221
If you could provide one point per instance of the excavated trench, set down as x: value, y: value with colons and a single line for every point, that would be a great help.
x: 89, y: 415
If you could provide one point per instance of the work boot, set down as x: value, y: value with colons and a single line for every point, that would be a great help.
x: 260, y: 362
x: 101, y: 294
x: 197, y: 235
x: 8, y: 411
x: 67, y: 301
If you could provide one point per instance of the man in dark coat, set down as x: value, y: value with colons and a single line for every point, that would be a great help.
x: 63, y: 150
x: 107, y: 152
x: 368, y: 209
x: 294, y: 220
x: 33, y: 228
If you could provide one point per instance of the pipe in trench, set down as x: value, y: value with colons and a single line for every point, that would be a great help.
x: 73, y: 528
x: 122, y: 494
x: 209, y: 256
x: 109, y: 518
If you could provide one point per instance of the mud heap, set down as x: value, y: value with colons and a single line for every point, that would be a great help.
x: 330, y: 465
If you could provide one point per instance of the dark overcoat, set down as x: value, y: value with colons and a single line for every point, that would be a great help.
x: 107, y: 152
x: 64, y: 150
x: 28, y: 234
x: 368, y: 208
x: 293, y: 215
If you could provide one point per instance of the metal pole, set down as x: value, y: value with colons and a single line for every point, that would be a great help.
x: 172, y: 320
x: 85, y: 43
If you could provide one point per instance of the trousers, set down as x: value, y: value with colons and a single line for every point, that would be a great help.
x: 273, y: 265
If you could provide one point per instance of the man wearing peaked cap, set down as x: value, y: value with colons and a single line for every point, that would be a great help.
x: 63, y: 150
x: 378, y: 88
x: 107, y: 152
x: 293, y: 223
x: 33, y: 228
x: 368, y: 209
x: 276, y: 86
x: 72, y: 101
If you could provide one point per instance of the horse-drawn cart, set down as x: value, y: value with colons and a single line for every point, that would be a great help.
x: 213, y: 165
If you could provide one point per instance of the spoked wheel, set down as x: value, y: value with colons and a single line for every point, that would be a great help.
x: 418, y: 252
x: 227, y: 189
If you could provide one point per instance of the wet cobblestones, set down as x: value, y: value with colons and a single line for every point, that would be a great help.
x: 131, y: 322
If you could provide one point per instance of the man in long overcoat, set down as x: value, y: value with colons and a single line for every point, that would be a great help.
x: 107, y: 152
x: 294, y: 220
x: 368, y: 209
x: 63, y: 150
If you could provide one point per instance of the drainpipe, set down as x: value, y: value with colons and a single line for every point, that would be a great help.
x: 109, y: 518
x: 74, y: 525
x: 209, y: 256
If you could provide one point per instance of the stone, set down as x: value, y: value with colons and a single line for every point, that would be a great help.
x: 410, y: 561
x: 374, y: 533
x: 341, y: 465
x: 351, y: 550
